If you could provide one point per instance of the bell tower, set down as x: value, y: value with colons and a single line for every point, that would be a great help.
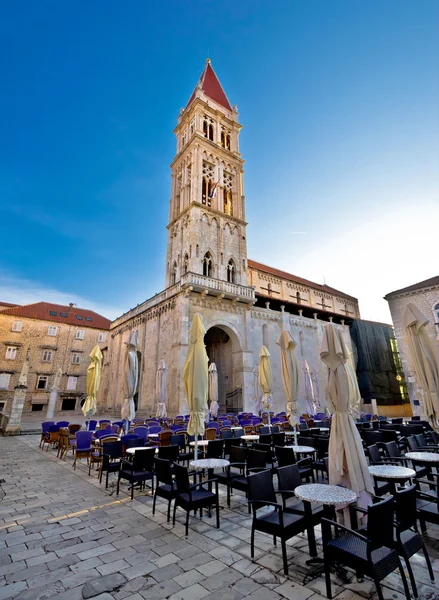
x: 207, y: 228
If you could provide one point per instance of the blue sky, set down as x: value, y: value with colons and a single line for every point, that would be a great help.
x: 340, y: 107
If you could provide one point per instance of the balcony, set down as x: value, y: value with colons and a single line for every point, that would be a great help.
x: 217, y: 287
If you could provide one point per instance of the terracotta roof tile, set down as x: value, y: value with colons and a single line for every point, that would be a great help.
x: 211, y: 86
x: 7, y: 305
x: 324, y: 288
x: 42, y: 310
x: 433, y: 281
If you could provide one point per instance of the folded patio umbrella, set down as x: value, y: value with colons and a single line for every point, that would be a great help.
x: 92, y: 382
x: 160, y: 390
x: 196, y: 379
x: 424, y: 361
x: 213, y: 390
x: 310, y: 391
x: 290, y: 376
x: 347, y: 461
x: 131, y: 377
x: 265, y: 379
x: 354, y: 392
x: 257, y: 391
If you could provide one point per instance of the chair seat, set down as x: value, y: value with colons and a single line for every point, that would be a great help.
x: 135, y: 475
x: 430, y: 508
x: 113, y: 467
x: 317, y: 510
x: 226, y: 478
x: 78, y: 450
x: 350, y: 544
x: 200, y: 496
x: 273, y: 518
x: 166, y: 491
x: 411, y: 541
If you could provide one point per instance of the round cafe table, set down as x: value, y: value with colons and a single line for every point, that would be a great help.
x: 153, y: 436
x: 201, y: 443
x: 304, y: 450
x: 210, y: 464
x: 132, y: 450
x: 250, y: 438
x: 393, y: 474
x: 429, y: 458
x: 328, y: 495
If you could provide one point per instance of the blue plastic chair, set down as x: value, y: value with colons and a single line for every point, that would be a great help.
x: 44, y: 429
x: 63, y: 423
x: 142, y: 432
x: 155, y: 429
x: 92, y: 425
x: 83, y: 448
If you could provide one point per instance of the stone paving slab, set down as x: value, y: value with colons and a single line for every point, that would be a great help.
x: 64, y: 536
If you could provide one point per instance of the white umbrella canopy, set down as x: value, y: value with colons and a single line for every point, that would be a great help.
x: 257, y: 391
x: 354, y: 392
x: 424, y: 360
x: 347, y: 461
x: 312, y: 403
x: 160, y: 390
x: 290, y: 376
x: 213, y: 390
x: 131, y: 377
x: 265, y: 379
x: 196, y: 378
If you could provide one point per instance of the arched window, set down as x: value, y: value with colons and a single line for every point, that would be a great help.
x: 208, y: 128
x: 228, y: 142
x: 207, y: 265
x: 174, y: 274
x: 223, y: 139
x: 231, y: 271
x: 185, y: 263
x: 298, y: 297
x: 211, y: 132
x: 206, y: 191
x: 228, y: 204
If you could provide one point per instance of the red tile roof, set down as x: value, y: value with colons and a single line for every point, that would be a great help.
x: 324, y: 288
x: 42, y: 310
x: 211, y: 86
x: 7, y: 305
x: 427, y: 283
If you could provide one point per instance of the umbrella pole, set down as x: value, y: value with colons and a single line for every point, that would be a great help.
x: 196, y: 448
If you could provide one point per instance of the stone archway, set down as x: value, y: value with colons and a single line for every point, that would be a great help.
x: 224, y: 349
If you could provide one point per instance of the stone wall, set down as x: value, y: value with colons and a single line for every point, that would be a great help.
x: 34, y: 335
x: 425, y: 300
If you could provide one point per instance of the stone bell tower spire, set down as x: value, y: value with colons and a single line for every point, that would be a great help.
x: 207, y: 228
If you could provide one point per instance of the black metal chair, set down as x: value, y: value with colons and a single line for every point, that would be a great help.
x: 424, y: 444
x: 215, y: 449
x: 265, y: 438
x: 376, y: 458
x: 256, y: 461
x: 111, y: 460
x: 428, y: 502
x: 370, y: 552
x: 180, y: 440
x: 165, y: 486
x: 288, y: 479
x: 322, y: 448
x: 170, y: 453
x: 278, y: 439
x: 228, y: 443
x: 267, y: 449
x: 278, y: 523
x: 236, y: 468
x: 394, y: 453
x: 139, y: 471
x: 286, y: 457
x: 194, y: 497
x: 407, y: 538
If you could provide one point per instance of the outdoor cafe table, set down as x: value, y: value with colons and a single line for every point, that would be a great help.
x: 133, y: 450
x: 250, y: 438
x: 431, y: 458
x: 153, y: 436
x: 303, y: 450
x: 328, y: 495
x: 210, y: 464
x: 200, y: 443
x: 392, y: 473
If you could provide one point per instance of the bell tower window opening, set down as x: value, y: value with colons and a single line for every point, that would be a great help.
x: 174, y: 274
x: 231, y: 271
x: 298, y: 299
x: 207, y: 265
x: 185, y: 263
x: 227, y: 193
x: 207, y: 184
x: 225, y: 139
x: 208, y: 127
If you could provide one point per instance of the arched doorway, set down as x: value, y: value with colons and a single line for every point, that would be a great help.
x: 222, y: 347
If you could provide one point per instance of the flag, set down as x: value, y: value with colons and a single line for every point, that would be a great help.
x: 213, y: 192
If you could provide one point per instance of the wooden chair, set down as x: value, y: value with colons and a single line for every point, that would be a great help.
x: 165, y: 437
x: 210, y: 433
x: 63, y: 442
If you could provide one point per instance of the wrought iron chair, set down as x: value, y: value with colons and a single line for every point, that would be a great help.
x: 139, y: 471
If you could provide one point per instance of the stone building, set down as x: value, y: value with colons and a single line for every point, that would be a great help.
x: 57, y: 341
x: 244, y: 304
x: 425, y: 295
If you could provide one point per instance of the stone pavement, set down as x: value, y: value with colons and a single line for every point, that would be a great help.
x: 63, y: 536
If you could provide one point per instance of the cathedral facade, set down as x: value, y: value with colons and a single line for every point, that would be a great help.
x: 244, y: 304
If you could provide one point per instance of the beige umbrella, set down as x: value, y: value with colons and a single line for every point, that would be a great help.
x: 131, y: 378
x: 196, y: 379
x: 213, y: 390
x: 265, y: 379
x: 424, y: 361
x: 92, y: 382
x: 311, y: 399
x: 257, y: 391
x: 354, y: 391
x: 347, y: 461
x: 290, y: 376
x: 160, y: 390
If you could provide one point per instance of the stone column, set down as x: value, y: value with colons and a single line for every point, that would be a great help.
x: 13, y: 426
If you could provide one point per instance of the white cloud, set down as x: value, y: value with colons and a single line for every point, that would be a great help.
x: 24, y: 291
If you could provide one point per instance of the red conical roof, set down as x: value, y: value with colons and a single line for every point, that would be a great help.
x: 211, y: 86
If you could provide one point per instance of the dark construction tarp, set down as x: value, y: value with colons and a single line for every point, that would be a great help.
x: 376, y: 362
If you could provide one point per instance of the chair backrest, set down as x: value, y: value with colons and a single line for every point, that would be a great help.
x: 248, y: 429
x: 179, y: 439
x: 141, y: 431
x: 278, y: 439
x: 392, y: 450
x: 103, y: 421
x: 412, y: 443
x: 83, y: 440
x: 373, y: 437
x: 303, y: 426
x: 112, y: 449
x: 374, y: 454
x: 238, y: 432
x: 285, y: 456
x: 163, y: 470
x: 405, y: 507
x: 277, y: 427
x: 110, y: 437
x: 260, y: 487
x: 380, y: 523
x: 181, y: 478
x: 62, y: 423
x: 265, y: 438
x: 129, y: 436
x: 263, y: 430
x: 303, y: 440
x: 152, y: 422
x: 92, y: 425
x: 45, y: 426
x: 101, y: 433
x: 238, y: 454
x: 155, y: 429
x: 420, y: 438
x: 389, y: 435
x: 169, y: 453
x: 53, y: 428
x: 407, y: 430
x: 434, y: 437
x: 322, y: 446
x: 226, y: 433
x: 165, y: 437
x: 256, y: 459
x: 214, y: 425
x: 226, y: 423
x: 114, y: 428
x: 210, y: 433
x: 397, y: 421
x: 74, y: 427
x: 144, y: 459
x: 288, y: 479
x: 215, y: 449
x: 118, y: 423
x: 133, y: 443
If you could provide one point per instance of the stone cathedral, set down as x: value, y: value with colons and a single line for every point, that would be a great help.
x: 244, y: 304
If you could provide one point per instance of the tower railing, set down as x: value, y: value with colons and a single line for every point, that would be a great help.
x: 217, y: 287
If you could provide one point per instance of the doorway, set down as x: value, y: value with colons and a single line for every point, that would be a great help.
x: 219, y: 350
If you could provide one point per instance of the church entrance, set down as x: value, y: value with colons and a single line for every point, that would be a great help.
x: 219, y: 347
